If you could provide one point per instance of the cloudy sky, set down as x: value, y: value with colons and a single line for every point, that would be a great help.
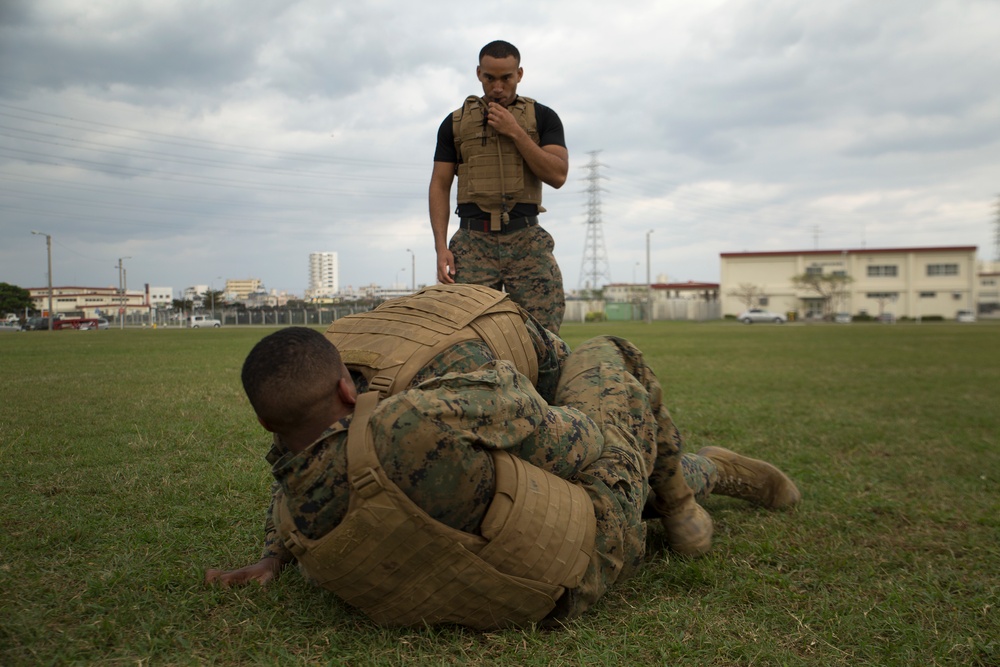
x: 213, y: 139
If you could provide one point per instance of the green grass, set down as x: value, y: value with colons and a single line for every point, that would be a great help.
x: 130, y: 462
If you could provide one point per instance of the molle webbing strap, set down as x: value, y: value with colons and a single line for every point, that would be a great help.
x: 539, y: 526
x: 491, y: 172
x: 390, y: 344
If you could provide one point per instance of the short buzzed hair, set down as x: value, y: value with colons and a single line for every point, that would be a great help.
x: 500, y: 49
x: 291, y: 374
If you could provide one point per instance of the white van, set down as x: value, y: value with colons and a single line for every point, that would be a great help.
x: 199, y: 321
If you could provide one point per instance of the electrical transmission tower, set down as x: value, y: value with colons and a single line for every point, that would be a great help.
x: 595, y: 256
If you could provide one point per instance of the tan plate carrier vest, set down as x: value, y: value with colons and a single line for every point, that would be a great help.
x: 401, y: 567
x: 491, y: 172
x: 391, y: 343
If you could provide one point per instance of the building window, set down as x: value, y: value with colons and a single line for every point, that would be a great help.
x: 886, y: 270
x: 942, y: 269
x: 814, y: 270
x: 928, y: 295
x: 762, y: 301
x: 882, y: 295
x: 840, y: 274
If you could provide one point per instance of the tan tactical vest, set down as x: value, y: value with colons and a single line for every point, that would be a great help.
x: 491, y: 172
x: 391, y: 343
x: 401, y: 567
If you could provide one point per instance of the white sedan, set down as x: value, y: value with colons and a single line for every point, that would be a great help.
x: 760, y: 315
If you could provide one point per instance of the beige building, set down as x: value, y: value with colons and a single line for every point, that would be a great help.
x: 91, y: 301
x: 989, y: 288
x: 240, y: 290
x: 906, y: 282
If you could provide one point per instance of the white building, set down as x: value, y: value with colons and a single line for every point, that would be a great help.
x: 161, y: 297
x: 324, y: 275
x: 906, y: 282
x: 194, y: 293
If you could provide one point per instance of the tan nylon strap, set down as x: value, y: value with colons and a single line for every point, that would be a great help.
x: 361, y: 457
x: 392, y: 343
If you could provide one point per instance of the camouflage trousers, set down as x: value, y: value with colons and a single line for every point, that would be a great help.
x: 607, y: 379
x: 520, y: 263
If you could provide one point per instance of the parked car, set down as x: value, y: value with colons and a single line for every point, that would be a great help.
x: 8, y: 325
x: 965, y: 316
x: 886, y: 318
x: 842, y: 318
x: 200, y: 321
x: 101, y: 324
x: 760, y: 315
x: 36, y: 324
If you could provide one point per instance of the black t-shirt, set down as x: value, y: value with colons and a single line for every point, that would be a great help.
x: 550, y: 132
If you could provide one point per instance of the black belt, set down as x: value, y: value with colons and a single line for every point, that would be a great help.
x: 477, y: 225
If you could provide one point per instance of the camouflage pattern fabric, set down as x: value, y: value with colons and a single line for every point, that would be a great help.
x: 596, y: 382
x: 433, y: 441
x: 669, y: 442
x: 462, y: 358
x: 700, y: 474
x: 521, y: 263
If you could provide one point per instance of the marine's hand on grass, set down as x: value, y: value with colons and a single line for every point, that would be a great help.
x: 262, y: 572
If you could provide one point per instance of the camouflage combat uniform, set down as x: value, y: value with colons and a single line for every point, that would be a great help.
x: 433, y: 441
x: 521, y: 263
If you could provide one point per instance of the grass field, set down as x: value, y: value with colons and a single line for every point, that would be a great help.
x: 130, y: 462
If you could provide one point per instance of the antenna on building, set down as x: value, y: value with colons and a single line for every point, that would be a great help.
x: 594, y: 266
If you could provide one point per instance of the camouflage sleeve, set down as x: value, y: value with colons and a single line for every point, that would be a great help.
x: 434, y: 440
x: 565, y: 442
x: 551, y: 351
x: 273, y: 546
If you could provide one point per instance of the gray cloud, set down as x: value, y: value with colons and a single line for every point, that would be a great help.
x: 232, y: 139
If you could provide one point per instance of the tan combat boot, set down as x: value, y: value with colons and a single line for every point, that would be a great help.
x: 688, y: 526
x: 689, y: 530
x: 751, y: 479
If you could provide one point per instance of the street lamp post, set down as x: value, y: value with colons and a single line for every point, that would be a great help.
x: 413, y: 270
x: 212, y: 294
x: 48, y: 248
x: 649, y: 284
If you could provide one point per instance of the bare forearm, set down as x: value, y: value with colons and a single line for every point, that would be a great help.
x: 438, y: 205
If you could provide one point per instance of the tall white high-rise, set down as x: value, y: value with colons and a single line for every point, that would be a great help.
x: 324, y: 274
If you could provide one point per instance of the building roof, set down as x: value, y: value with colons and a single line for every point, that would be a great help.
x: 849, y: 251
x: 688, y: 285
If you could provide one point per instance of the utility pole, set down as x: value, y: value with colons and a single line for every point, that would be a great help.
x: 413, y: 270
x: 48, y: 249
x: 649, y: 284
x: 595, y: 256
x: 121, y: 293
